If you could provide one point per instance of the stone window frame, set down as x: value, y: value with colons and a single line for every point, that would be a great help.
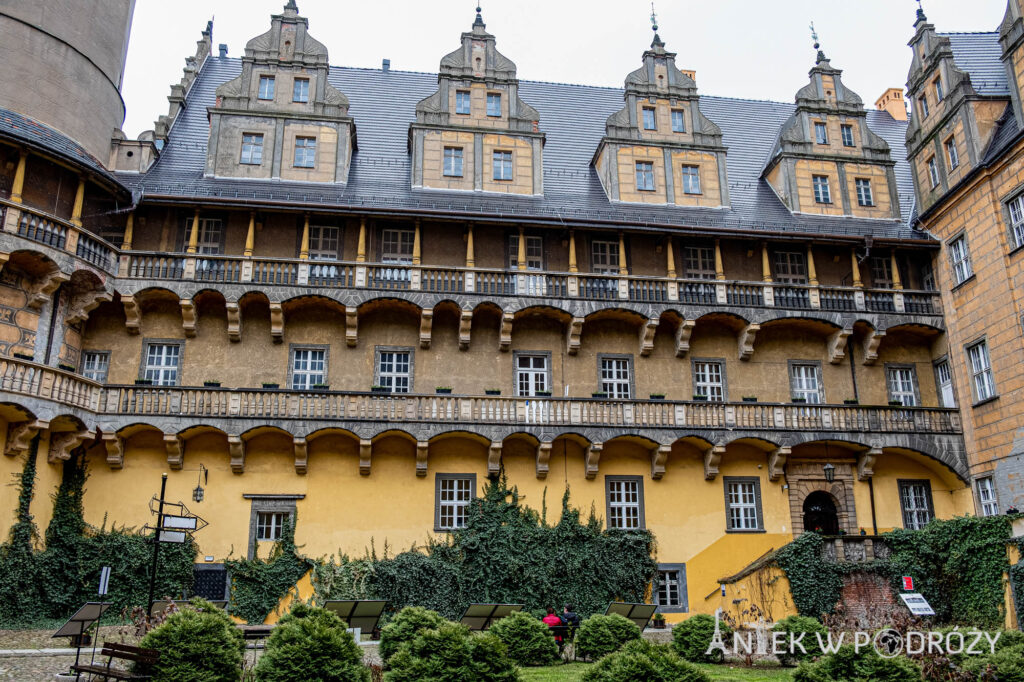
x: 511, y: 165
x: 684, y: 174
x: 292, y: 347
x: 637, y: 176
x: 952, y: 155
x: 241, y: 157
x: 632, y: 371
x: 902, y: 483
x: 821, y: 380
x: 469, y: 102
x: 308, y: 164
x: 487, y: 103
x: 968, y: 347
x: 684, y: 602
x: 90, y: 351
x: 269, y: 503
x: 759, y: 507
x: 377, y: 350
x: 653, y: 118
x: 677, y: 114
x: 516, y: 354
x: 848, y: 139
x: 989, y: 476
x: 944, y: 359
x: 820, y: 127
x: 725, y: 377
x: 438, y: 477
x: 259, y: 86
x: 460, y: 157
x: 642, y: 516
x: 917, y: 380
x: 148, y: 341
x: 1016, y: 195
x: 822, y: 182
x: 961, y: 235
x: 934, y: 177
x: 865, y: 199
x: 295, y: 84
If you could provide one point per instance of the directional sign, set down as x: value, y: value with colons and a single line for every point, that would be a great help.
x: 917, y: 604
x: 177, y: 536
x: 182, y: 522
x: 104, y: 580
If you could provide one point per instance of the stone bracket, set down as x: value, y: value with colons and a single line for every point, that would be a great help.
x: 745, y: 343
x: 712, y: 459
x: 132, y: 314
x: 61, y: 444
x: 276, y: 322
x: 422, y: 452
x: 837, y: 346
x: 115, y: 450
x: 365, y: 453
x: 236, y: 448
x: 83, y: 304
x: 426, y: 325
x: 866, y: 463
x: 301, y: 455
x: 871, y: 343
x: 21, y: 434
x: 572, y: 336
x: 777, y: 462
x: 505, y: 336
x: 659, y: 458
x: 593, y: 459
x: 43, y: 290
x: 543, y: 457
x: 465, y: 329
x: 234, y: 321
x: 494, y: 459
x: 188, y: 317
x: 647, y: 331
x: 683, y: 334
x: 175, y: 448
x: 351, y: 326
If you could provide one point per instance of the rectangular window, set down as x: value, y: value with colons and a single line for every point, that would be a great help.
x: 805, y: 382
x: 305, y: 152
x: 933, y: 172
x: 700, y: 262
x: 645, y: 176
x: 531, y: 374
x: 162, y: 363
x: 923, y: 105
x: 502, y: 165
x: 208, y: 241
x: 649, y: 119
x: 95, y: 365
x: 678, y: 122
x: 300, y: 90
x: 462, y: 102
x: 534, y: 252
x: 625, y: 499
x: 790, y: 267
x: 615, y: 377
x: 981, y: 372
x: 951, y: 153
x: 881, y: 272
x: 864, y: 195
x: 671, y: 592
x: 493, y: 104
x: 944, y: 383
x: 960, y: 259
x: 939, y: 94
x: 266, y: 87
x: 269, y: 525
x: 691, y: 179
x: 396, y: 246
x: 847, y: 133
x: 709, y: 379
x: 453, y: 493
x: 252, y: 148
x: 820, y: 133
x: 394, y: 370
x: 453, y: 162
x: 822, y: 193
x: 916, y: 504
x: 902, y: 384
x: 987, y: 497
x: 323, y: 242
x: 743, y: 503
x: 1016, y: 207
x: 604, y: 257
x: 309, y: 368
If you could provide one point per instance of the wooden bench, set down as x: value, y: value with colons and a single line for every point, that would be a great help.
x: 563, y: 634
x: 124, y: 652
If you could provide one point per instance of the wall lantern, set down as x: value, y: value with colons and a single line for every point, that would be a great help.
x: 830, y: 472
x: 204, y: 477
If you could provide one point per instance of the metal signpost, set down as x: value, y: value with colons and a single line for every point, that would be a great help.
x: 175, y: 527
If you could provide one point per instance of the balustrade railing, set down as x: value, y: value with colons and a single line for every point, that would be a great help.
x: 389, y: 277
x: 42, y: 230
x: 795, y: 297
x: 155, y: 266
x: 880, y: 301
x: 744, y: 294
x: 40, y: 381
x: 326, y: 274
x: 701, y: 293
x: 218, y: 270
x: 599, y: 288
x: 274, y: 272
x: 94, y: 251
x: 921, y: 303
x: 838, y: 299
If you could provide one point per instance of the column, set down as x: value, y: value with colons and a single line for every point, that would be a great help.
x: 855, y: 265
x: 76, y: 212
x: 897, y: 283
x: 129, y: 233
x: 623, y: 270
x: 766, y: 265
x: 521, y: 251
x: 572, y: 251
x: 470, y: 256
x: 19, y: 178
x: 416, y: 243
x: 670, y: 259
x: 361, y: 248
x: 193, y: 235
x: 304, y: 244
x: 719, y: 268
x: 250, y: 236
x: 812, y: 272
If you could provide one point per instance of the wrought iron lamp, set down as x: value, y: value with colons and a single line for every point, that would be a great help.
x: 204, y: 476
x: 830, y: 472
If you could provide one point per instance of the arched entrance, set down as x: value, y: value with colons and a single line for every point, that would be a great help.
x: 820, y: 513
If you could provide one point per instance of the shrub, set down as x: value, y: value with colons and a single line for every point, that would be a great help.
x: 846, y: 665
x: 642, y: 661
x: 451, y: 653
x: 692, y: 637
x: 527, y: 639
x: 406, y: 624
x: 311, y: 644
x: 1005, y: 665
x: 601, y: 635
x: 200, y: 643
x: 796, y: 625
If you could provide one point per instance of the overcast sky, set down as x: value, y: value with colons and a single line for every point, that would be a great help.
x: 740, y: 48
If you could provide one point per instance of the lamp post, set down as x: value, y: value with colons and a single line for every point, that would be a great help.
x: 156, y: 545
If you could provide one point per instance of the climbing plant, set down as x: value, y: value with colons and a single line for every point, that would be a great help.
x: 257, y: 585
x: 20, y: 598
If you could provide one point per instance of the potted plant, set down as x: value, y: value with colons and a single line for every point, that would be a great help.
x: 543, y: 394
x: 750, y: 398
x: 701, y: 397
x: 658, y: 621
x: 799, y: 400
x: 143, y: 382
x: 863, y: 532
x: 24, y: 356
x: 443, y: 390
x: 321, y: 387
x: 851, y: 401
x: 271, y: 385
x: 657, y: 396
x: 492, y: 391
x: 599, y: 394
x: 66, y: 367
x: 211, y: 384
x: 379, y: 389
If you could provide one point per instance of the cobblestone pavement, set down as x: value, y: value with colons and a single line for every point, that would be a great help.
x: 33, y: 668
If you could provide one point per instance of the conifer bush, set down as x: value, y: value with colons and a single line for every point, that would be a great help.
x: 691, y: 639
x: 643, y: 661
x: 528, y: 640
x: 200, y: 643
x: 811, y: 628
x: 310, y: 643
x: 404, y: 627
x: 848, y: 665
x: 451, y: 653
x: 600, y: 635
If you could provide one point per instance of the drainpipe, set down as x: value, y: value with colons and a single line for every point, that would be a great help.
x: 853, y: 367
x: 54, y: 305
x: 871, y: 491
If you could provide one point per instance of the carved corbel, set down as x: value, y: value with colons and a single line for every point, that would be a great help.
x: 871, y: 343
x: 115, y: 450
x: 188, y: 317
x: 20, y: 435
x: 62, y: 443
x: 84, y: 303
x: 505, y: 336
x: 236, y: 448
x: 572, y: 336
x: 837, y: 346
x: 301, y: 455
x: 494, y: 459
x: 4, y: 257
x: 683, y: 334
x: 745, y: 343
x: 465, y: 329
x: 234, y: 321
x: 175, y: 448
x: 647, y: 331
x: 866, y: 463
x: 276, y: 322
x: 593, y: 459
x: 777, y: 462
x: 351, y: 326
x: 543, y: 457
x: 659, y: 458
x: 422, y: 452
x: 365, y: 453
x: 43, y: 290
x: 713, y: 458
x: 132, y: 314
x: 426, y: 323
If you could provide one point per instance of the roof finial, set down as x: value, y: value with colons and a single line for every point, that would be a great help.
x: 657, y: 42
x: 920, y: 12
x: 817, y: 45
x: 479, y: 19
x: 291, y: 6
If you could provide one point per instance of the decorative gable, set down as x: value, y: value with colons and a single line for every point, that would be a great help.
x: 281, y: 118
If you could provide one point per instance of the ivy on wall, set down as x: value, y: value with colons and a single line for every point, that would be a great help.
x: 257, y: 585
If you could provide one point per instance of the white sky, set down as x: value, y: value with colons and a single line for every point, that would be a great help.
x: 740, y: 48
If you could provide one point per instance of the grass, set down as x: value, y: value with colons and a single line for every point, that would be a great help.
x: 565, y: 672
x: 573, y: 672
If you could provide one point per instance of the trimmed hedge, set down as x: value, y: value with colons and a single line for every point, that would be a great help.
x: 311, y: 644
x: 601, y: 635
x: 451, y: 653
x: 528, y: 640
x: 643, y: 661
x: 691, y: 639
x: 796, y: 625
x: 846, y: 665
x: 404, y: 627
x: 200, y: 643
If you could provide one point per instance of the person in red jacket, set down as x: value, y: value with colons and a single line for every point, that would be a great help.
x: 551, y: 619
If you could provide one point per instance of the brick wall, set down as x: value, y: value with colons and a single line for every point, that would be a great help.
x: 866, y: 600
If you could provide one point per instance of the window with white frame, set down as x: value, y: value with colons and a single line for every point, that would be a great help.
x: 822, y: 192
x: 502, y: 162
x: 981, y: 371
x: 615, y: 377
x: 323, y: 242
x: 902, y: 384
x: 960, y: 259
x: 987, y: 497
x: 305, y: 152
x: 300, y: 90
x: 534, y: 252
x: 678, y: 121
x: 1016, y: 208
x: 604, y: 257
x: 453, y: 494
x: 645, y: 176
x: 790, y: 267
x: 394, y: 370
x: 944, y: 383
x: 691, y: 179
x: 649, y: 119
x: 743, y: 503
x: 252, y: 148
x: 933, y: 172
x: 700, y: 262
x: 847, y: 132
x: 453, y: 162
x: 95, y: 365
x: 671, y: 588
x: 709, y: 379
x: 951, y: 153
x: 462, y: 102
x: 266, y: 90
x: 270, y: 525
x: 624, y: 496
x: 805, y: 382
x: 881, y: 272
x: 396, y: 245
x: 163, y: 361
x: 864, y: 195
x: 916, y: 504
x: 493, y: 104
x: 927, y: 277
x: 309, y: 368
x: 209, y: 239
x: 531, y: 374
x: 820, y: 133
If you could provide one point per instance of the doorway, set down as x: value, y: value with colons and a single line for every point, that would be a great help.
x: 820, y: 513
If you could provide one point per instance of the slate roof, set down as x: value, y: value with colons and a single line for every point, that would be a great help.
x: 979, y: 55
x: 573, y: 118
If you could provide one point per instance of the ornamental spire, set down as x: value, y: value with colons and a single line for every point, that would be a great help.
x: 920, y: 12
x: 657, y: 42
x: 817, y: 45
x: 479, y: 19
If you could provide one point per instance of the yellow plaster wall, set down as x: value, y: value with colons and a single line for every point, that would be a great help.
x: 434, y: 142
x: 326, y: 158
x: 805, y: 170
x: 711, y: 193
x: 522, y: 164
x: 879, y: 190
x: 628, y: 157
x: 478, y: 118
x: 663, y: 120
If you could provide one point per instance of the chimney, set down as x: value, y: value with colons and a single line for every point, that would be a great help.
x: 892, y: 102
x: 692, y: 75
x: 385, y: 65
x: 223, y: 50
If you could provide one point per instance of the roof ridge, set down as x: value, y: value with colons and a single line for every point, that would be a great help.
x: 968, y: 33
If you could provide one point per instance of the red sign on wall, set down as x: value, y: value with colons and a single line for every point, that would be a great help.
x: 908, y: 583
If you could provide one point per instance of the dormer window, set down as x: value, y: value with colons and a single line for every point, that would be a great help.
x: 939, y: 95
x: 462, y: 102
x: 493, y: 104
x: 923, y: 104
x: 864, y: 195
x: 502, y: 165
x: 305, y: 152
x: 822, y: 193
x: 453, y: 162
x: 933, y: 172
x: 645, y: 176
x: 649, y: 123
x: 691, y: 179
x: 252, y: 148
x: 300, y: 90
x: 820, y: 133
x: 847, y: 133
x: 266, y: 88
x: 678, y: 123
x: 952, y: 154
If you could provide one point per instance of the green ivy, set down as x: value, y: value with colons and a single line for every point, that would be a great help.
x: 257, y: 585
x: 20, y: 597
x: 814, y: 584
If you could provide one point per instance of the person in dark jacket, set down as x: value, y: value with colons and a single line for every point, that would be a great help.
x: 570, y: 617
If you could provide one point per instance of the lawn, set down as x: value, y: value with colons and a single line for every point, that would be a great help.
x: 573, y: 672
